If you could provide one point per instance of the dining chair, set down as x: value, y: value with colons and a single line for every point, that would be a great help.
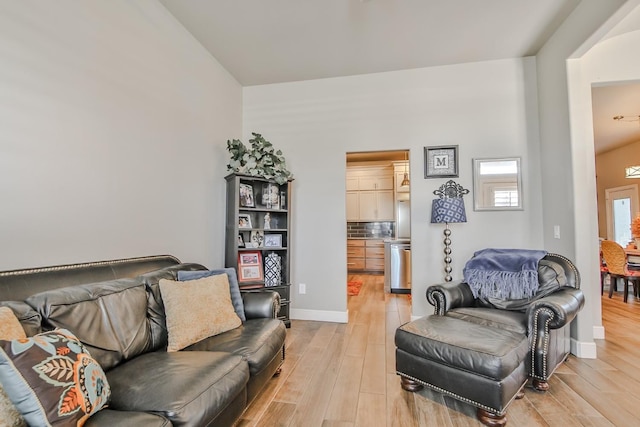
x: 604, y: 271
x: 615, y: 259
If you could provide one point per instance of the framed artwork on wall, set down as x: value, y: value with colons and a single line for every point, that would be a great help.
x: 441, y: 161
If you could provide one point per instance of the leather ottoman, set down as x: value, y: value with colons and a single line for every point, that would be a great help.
x: 477, y: 364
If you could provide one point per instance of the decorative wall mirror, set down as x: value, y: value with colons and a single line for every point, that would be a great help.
x: 497, y: 184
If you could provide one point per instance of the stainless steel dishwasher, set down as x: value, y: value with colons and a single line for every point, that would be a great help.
x: 398, y: 266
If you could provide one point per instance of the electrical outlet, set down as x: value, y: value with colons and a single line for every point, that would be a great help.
x: 556, y: 231
x: 302, y: 288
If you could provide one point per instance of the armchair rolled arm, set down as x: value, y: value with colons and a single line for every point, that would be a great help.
x: 261, y: 304
x: 555, y: 310
x: 446, y: 296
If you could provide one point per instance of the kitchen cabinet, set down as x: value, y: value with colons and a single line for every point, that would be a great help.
x: 365, y: 255
x: 370, y: 194
x: 375, y: 205
x: 375, y: 183
x: 353, y: 206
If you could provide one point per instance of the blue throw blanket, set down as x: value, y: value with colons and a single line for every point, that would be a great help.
x: 503, y: 273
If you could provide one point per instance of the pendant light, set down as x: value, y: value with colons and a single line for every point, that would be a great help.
x: 405, y: 179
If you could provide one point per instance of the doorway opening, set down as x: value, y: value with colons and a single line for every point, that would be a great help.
x: 378, y: 215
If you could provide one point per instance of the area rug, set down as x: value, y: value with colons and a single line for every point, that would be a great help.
x: 353, y: 288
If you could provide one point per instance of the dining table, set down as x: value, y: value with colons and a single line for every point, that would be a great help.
x: 633, y: 257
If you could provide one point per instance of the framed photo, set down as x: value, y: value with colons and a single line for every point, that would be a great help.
x: 250, y: 267
x: 441, y: 161
x: 283, y: 200
x: 250, y: 258
x: 246, y: 196
x: 240, y: 241
x: 244, y: 221
x: 272, y: 240
x: 257, y: 238
x: 271, y: 196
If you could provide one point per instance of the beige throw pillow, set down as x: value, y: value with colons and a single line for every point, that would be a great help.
x: 10, y: 329
x: 197, y: 309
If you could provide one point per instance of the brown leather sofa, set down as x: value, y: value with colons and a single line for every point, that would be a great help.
x: 209, y: 383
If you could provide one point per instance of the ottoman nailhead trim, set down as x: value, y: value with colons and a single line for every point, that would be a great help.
x: 545, y: 348
x: 464, y: 399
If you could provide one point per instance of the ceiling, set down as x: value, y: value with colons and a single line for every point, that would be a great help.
x: 275, y: 41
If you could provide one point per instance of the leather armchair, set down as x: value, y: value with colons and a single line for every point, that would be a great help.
x: 545, y: 318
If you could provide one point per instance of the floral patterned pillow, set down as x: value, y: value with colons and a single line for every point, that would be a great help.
x: 52, y: 379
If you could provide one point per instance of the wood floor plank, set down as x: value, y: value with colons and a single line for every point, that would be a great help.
x: 373, y: 372
x: 372, y: 410
x: 344, y: 397
x: 315, y: 398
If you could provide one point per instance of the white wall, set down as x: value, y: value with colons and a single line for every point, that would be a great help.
x: 113, y: 124
x: 488, y: 109
x: 568, y: 156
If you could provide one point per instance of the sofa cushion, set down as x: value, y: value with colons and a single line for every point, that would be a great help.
x: 187, y: 387
x: 10, y: 327
x: 257, y: 341
x: 110, y: 318
x: 155, y: 307
x: 197, y: 309
x: 30, y: 319
x: 52, y: 379
x: 514, y: 321
x: 234, y: 288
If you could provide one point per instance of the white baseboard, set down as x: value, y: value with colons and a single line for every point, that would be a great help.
x: 320, y: 315
x: 583, y: 350
x: 598, y: 332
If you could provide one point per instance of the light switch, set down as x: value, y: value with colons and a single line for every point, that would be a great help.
x: 556, y: 231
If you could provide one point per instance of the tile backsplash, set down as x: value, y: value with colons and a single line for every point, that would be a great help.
x: 371, y: 230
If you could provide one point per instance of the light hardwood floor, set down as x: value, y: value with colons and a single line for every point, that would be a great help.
x: 344, y: 375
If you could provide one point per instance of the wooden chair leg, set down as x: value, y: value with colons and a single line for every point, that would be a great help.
x: 613, y: 281
x: 626, y: 290
x: 490, y: 419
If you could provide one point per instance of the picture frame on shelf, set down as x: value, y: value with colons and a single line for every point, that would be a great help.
x: 273, y: 240
x: 283, y: 200
x: 250, y: 267
x: 271, y: 196
x: 249, y: 258
x: 240, y: 241
x: 257, y: 238
x: 441, y: 161
x: 246, y: 196
x: 244, y: 221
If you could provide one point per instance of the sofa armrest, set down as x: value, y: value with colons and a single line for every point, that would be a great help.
x: 555, y: 310
x: 261, y: 304
x: 446, y: 296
